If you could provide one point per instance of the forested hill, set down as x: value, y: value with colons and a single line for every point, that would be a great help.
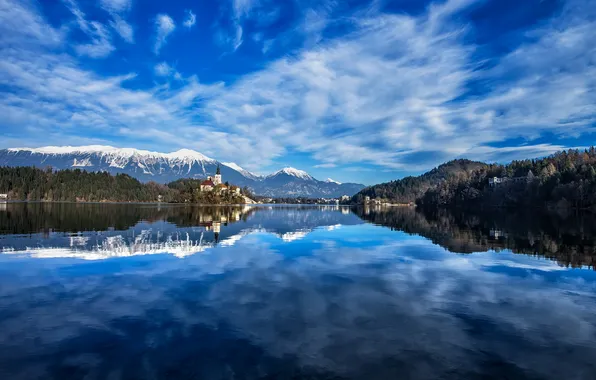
x: 564, y: 179
x: 409, y: 189
x: 27, y: 183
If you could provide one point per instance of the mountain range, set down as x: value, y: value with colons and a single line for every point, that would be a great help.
x: 166, y: 167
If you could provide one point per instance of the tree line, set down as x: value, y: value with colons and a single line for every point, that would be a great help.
x: 34, y: 184
x: 565, y: 179
x: 409, y: 189
x: 567, y: 237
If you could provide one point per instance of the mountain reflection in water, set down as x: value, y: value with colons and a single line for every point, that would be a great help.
x: 95, y: 231
x: 102, y: 291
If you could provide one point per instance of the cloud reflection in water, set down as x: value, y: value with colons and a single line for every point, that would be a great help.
x: 357, y: 302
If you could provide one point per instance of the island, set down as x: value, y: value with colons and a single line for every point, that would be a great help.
x: 34, y: 184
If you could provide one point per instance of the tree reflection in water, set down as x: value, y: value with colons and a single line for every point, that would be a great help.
x: 570, y: 239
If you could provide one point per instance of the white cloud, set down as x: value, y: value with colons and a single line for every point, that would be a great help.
x: 241, y: 11
x: 328, y: 165
x: 393, y: 88
x: 117, y: 9
x: 100, y: 44
x: 116, y: 5
x: 190, y: 19
x: 123, y: 28
x: 164, y: 27
x: 17, y: 16
x: 389, y: 90
x: 163, y: 69
x: 242, y: 8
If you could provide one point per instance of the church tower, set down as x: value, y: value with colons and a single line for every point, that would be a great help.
x: 217, y: 179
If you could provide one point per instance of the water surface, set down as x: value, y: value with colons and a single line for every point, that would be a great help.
x: 180, y: 292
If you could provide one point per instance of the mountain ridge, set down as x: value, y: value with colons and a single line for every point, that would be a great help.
x: 160, y: 167
x: 409, y: 189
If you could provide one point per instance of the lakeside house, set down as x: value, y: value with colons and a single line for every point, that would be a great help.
x: 495, y: 181
x: 3, y: 197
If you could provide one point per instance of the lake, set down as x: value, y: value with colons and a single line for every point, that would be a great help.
x: 106, y: 291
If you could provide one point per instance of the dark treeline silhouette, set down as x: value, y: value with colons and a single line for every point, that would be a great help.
x: 33, y: 184
x: 568, y: 238
x: 409, y: 189
x: 566, y: 179
x: 28, y: 218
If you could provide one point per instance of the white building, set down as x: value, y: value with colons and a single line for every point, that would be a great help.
x: 217, y: 178
x: 3, y: 197
x: 494, y: 181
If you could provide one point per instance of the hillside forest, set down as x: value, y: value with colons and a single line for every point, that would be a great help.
x: 565, y: 179
x: 33, y: 184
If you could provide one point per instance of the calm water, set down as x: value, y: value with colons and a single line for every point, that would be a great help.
x: 174, y: 292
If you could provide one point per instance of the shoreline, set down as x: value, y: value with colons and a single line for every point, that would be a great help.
x: 174, y: 204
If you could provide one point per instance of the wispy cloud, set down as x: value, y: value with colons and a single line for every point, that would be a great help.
x: 100, y: 44
x: 241, y: 11
x: 329, y: 165
x: 123, y: 28
x: 393, y: 89
x: 116, y: 5
x: 164, y: 26
x: 118, y: 9
x: 242, y: 8
x: 163, y: 69
x: 190, y: 19
x: 21, y: 23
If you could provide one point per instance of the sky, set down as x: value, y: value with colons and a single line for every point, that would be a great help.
x: 359, y: 91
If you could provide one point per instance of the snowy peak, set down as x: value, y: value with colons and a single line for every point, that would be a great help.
x: 239, y: 169
x: 185, y: 155
x: 57, y: 150
x: 294, y: 173
x: 167, y: 167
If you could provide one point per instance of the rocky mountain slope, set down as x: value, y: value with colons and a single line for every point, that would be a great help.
x: 166, y: 167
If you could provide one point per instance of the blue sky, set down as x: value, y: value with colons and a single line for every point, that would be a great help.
x: 362, y: 91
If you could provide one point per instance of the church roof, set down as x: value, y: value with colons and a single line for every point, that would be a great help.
x: 207, y: 182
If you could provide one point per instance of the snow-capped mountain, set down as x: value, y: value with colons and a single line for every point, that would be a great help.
x: 291, y: 172
x: 242, y: 171
x: 291, y: 182
x: 142, y: 164
x: 332, y: 181
x: 166, y: 167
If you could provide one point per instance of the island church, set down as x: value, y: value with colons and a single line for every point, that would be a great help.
x: 215, y: 182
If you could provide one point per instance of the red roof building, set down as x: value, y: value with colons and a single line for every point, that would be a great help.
x: 207, y: 185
